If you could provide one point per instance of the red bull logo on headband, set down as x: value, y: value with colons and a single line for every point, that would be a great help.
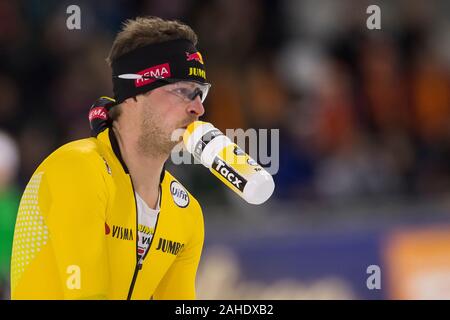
x: 194, y: 56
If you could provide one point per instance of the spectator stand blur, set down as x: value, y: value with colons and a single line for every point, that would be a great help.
x: 363, y: 114
x: 9, y: 201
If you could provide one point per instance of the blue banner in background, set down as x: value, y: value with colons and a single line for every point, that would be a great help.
x: 314, y: 266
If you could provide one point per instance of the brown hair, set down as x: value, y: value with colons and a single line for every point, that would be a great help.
x: 142, y: 31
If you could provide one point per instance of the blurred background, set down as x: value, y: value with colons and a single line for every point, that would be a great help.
x: 363, y: 117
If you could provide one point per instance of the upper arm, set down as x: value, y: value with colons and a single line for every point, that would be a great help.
x: 76, y: 224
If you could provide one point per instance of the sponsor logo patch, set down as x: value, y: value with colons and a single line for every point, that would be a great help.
x: 159, y: 71
x: 122, y: 233
x: 229, y: 174
x: 179, y: 194
x: 197, y: 72
x: 98, y: 113
x: 197, y: 56
x: 169, y: 246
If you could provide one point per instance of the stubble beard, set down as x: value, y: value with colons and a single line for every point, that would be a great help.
x: 154, y: 141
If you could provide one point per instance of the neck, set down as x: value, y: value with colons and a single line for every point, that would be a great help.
x: 145, y: 171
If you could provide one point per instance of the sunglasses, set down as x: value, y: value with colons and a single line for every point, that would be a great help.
x: 187, y: 90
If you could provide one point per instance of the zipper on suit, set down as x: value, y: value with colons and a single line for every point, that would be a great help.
x: 139, y: 266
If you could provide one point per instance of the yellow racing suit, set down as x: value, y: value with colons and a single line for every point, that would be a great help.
x: 76, y: 231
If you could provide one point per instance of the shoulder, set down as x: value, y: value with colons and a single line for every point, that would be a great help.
x: 77, y: 159
x: 84, y: 148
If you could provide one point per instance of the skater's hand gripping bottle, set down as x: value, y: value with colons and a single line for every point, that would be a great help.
x: 229, y: 163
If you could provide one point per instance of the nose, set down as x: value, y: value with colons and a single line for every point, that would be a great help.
x: 196, y: 107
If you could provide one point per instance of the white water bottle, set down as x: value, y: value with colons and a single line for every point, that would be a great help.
x: 229, y: 163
